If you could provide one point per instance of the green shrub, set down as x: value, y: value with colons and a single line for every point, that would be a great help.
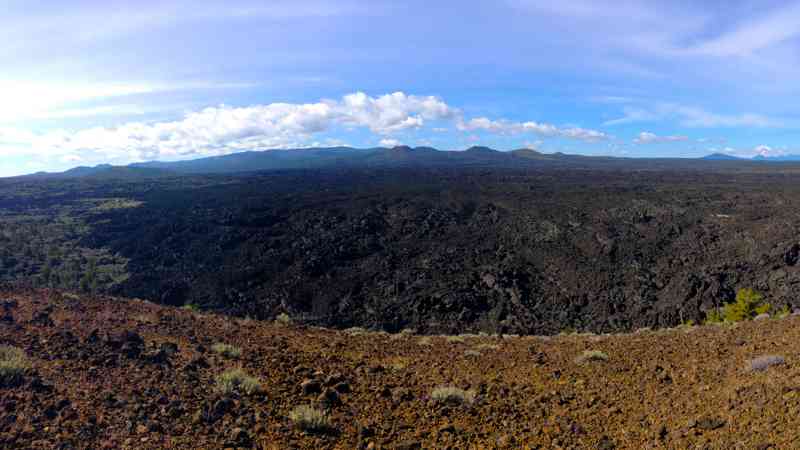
x: 237, y: 380
x: 226, y: 350
x: 284, y: 319
x: 714, y: 316
x: 747, y: 306
x: 308, y: 418
x: 13, y: 364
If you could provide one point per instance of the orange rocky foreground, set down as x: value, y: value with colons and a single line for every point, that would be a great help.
x: 113, y: 373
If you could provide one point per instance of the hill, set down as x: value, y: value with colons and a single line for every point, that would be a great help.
x: 721, y: 157
x: 113, y: 373
x: 103, y: 171
x: 386, y: 158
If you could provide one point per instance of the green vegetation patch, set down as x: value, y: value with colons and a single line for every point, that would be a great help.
x: 226, y: 350
x: 747, y: 306
x: 13, y: 364
x: 308, y: 418
x: 237, y: 380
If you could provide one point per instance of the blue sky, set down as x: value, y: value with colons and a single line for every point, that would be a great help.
x: 88, y: 82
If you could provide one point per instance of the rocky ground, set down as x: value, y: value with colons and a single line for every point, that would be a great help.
x: 113, y: 373
x: 529, y: 251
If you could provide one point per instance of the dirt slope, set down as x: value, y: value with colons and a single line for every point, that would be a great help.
x: 105, y: 374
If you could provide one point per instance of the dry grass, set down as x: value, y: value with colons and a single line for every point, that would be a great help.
x: 356, y: 331
x: 591, y: 356
x: 308, y: 418
x: 452, y: 395
x: 488, y: 347
x: 237, y: 380
x: 426, y: 340
x: 226, y: 350
x: 13, y: 364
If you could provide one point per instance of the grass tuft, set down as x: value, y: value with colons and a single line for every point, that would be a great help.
x: 13, y: 364
x: 226, y: 350
x: 591, y: 356
x: 425, y: 340
x: 237, y: 380
x: 452, y: 395
x: 308, y: 418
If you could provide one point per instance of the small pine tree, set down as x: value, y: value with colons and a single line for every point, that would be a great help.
x: 714, y: 316
x: 748, y: 305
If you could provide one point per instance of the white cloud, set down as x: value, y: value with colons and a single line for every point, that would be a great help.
x: 533, y: 145
x: 542, y: 129
x: 389, y: 143
x: 694, y: 117
x: 393, y: 112
x: 223, y: 129
x: 584, y: 134
x: 766, y: 31
x: 33, y: 100
x: 24, y: 100
x: 645, y: 137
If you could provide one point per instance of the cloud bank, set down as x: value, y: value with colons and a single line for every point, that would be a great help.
x: 225, y: 129
x: 646, y: 137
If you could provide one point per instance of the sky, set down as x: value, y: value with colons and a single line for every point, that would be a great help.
x: 90, y: 82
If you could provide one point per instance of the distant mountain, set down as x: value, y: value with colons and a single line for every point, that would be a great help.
x: 104, y: 171
x: 721, y: 157
x: 400, y: 156
x: 265, y: 160
x: 777, y: 158
x: 382, y: 157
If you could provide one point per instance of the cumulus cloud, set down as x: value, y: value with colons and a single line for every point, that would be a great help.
x: 646, y: 137
x: 542, y: 129
x: 224, y: 129
x: 389, y: 142
x: 765, y: 150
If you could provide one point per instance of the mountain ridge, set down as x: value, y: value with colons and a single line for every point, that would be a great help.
x: 375, y: 157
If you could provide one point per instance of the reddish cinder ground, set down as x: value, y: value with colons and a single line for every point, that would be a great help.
x: 115, y: 373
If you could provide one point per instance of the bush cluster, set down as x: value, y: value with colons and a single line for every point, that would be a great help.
x: 307, y: 418
x: 237, y: 380
x: 747, y: 306
x: 452, y: 395
x: 226, y: 350
x: 13, y: 364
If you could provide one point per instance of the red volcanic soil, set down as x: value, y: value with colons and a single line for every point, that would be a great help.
x: 125, y: 374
